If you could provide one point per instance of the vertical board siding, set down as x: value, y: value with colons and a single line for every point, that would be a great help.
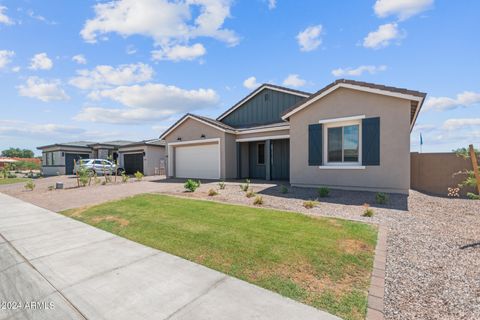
x: 258, y: 111
x: 256, y: 171
x: 315, y: 145
x: 371, y: 141
x: 281, y: 159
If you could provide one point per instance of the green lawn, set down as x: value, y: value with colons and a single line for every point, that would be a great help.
x: 322, y: 262
x: 13, y: 180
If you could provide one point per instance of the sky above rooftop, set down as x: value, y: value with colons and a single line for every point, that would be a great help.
x: 127, y: 69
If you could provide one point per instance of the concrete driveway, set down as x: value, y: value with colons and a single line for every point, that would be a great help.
x: 70, y: 270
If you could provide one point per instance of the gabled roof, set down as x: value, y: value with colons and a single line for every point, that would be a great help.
x: 205, y: 120
x: 257, y: 91
x: 416, y: 97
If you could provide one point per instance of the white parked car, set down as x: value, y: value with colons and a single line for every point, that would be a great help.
x: 98, y: 166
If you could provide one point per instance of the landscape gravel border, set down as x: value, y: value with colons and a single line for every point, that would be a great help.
x: 377, y: 282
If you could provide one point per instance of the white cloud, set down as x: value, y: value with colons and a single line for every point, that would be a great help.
x: 383, y: 36
x: 38, y: 17
x: 168, y: 23
x: 104, y: 76
x: 272, y: 4
x: 16, y: 69
x: 5, y: 57
x: 41, y: 89
x: 464, y: 99
x: 358, y: 71
x: 309, y: 39
x: 251, y: 83
x: 149, y: 102
x: 15, y: 128
x: 294, y: 80
x: 454, y: 124
x: 180, y: 52
x: 3, y: 17
x: 130, y: 49
x: 80, y: 59
x: 403, y: 9
x: 41, y: 61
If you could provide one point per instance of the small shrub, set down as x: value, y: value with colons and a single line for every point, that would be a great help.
x: 473, y: 196
x: 104, y: 183
x: 221, y: 185
x: 83, y: 176
x: 323, y: 192
x: 138, y: 176
x: 125, y: 177
x: 11, y: 176
x: 30, y: 185
x: 250, y: 193
x: 51, y: 188
x: 245, y: 186
x: 381, y: 198
x: 368, y: 212
x: 191, y: 185
x: 258, y: 201
x: 283, y: 189
x: 310, y: 204
x: 212, y: 192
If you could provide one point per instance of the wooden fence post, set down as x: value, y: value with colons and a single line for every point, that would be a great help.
x: 473, y: 157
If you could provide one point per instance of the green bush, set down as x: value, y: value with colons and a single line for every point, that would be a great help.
x: 27, y: 165
x: 83, y: 175
x: 191, y: 185
x: 212, y: 192
x: 138, y: 176
x: 283, y: 189
x: 245, y: 186
x: 221, y: 185
x: 310, y: 204
x: 323, y: 192
x: 258, y: 201
x: 381, y: 198
x: 473, y: 196
x: 125, y: 177
x: 250, y: 193
x: 368, y: 212
x: 30, y: 185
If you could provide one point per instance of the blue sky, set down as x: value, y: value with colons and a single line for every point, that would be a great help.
x: 127, y: 69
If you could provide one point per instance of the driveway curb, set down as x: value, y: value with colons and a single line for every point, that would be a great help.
x: 377, y: 283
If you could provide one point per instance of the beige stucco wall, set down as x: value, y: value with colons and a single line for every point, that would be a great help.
x: 393, y: 173
x: 191, y: 130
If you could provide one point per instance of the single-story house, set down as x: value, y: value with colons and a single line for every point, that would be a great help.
x: 59, y: 158
x: 146, y: 156
x: 348, y: 135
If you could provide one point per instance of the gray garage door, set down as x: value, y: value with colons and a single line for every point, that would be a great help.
x: 133, y: 162
x: 70, y: 158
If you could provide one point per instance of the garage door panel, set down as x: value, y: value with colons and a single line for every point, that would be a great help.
x: 198, y: 161
x: 133, y: 162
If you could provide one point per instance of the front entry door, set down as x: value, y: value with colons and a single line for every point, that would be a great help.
x: 280, y: 159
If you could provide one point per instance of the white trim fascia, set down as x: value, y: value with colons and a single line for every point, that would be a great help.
x: 331, y: 120
x: 353, y: 87
x: 256, y: 92
x: 420, y: 103
x: 194, y: 141
x: 248, y: 131
x: 193, y: 118
x: 284, y: 136
x: 341, y: 167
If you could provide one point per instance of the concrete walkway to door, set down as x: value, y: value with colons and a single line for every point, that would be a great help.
x: 74, y: 271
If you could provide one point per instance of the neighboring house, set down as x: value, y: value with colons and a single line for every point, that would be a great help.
x: 348, y: 135
x: 146, y: 156
x: 59, y: 158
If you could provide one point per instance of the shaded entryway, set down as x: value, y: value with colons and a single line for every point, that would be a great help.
x: 264, y: 159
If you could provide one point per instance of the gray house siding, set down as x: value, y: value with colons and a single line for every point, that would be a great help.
x: 265, y: 108
x: 256, y: 171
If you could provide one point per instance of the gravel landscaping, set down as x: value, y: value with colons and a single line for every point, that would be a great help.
x: 433, y: 248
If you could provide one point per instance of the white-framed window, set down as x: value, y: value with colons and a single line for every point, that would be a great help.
x: 342, y: 143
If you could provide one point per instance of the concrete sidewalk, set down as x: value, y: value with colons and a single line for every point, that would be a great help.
x: 80, y: 272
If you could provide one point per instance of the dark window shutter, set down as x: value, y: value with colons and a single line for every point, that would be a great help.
x: 371, y: 141
x: 315, y: 145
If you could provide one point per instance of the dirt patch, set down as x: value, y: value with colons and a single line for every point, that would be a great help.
x: 77, y: 213
x: 121, y: 221
x: 353, y: 246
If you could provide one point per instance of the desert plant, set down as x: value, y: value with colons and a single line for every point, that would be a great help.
x: 283, y: 189
x: 473, y: 196
x: 310, y: 204
x: 381, y: 198
x: 258, y: 201
x: 245, y: 186
x: 51, y: 188
x: 30, y: 185
x: 191, y: 185
x: 138, y: 176
x: 83, y: 176
x: 367, y: 212
x: 221, y: 185
x: 323, y: 192
x: 250, y: 193
x: 212, y: 192
x: 125, y: 177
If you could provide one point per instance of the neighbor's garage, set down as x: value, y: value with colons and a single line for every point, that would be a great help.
x: 133, y: 162
x: 197, y: 161
x: 70, y: 159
